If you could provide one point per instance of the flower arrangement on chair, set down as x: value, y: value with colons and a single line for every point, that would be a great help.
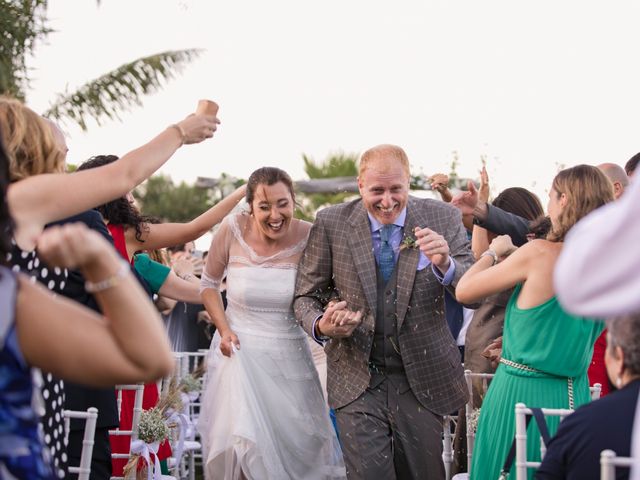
x: 175, y: 409
x: 152, y: 431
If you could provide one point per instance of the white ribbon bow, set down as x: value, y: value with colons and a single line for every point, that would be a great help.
x: 138, y: 447
x: 182, y: 422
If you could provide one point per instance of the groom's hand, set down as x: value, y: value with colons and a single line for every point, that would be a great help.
x: 435, y: 248
x: 338, y: 321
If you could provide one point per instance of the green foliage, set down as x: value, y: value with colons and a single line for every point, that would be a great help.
x: 335, y: 165
x: 22, y: 23
x: 118, y: 90
x: 160, y: 198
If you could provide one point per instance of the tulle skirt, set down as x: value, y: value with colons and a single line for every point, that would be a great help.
x: 264, y: 415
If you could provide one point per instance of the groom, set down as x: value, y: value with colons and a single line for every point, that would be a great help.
x: 370, y: 287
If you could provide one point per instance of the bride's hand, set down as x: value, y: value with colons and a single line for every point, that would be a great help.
x: 228, y: 342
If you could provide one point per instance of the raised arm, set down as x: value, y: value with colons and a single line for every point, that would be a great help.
x: 177, y: 288
x: 492, y: 218
x: 485, y: 278
x: 163, y: 235
x: 126, y: 345
x: 41, y: 199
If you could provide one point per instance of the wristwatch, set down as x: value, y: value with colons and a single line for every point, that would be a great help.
x: 492, y: 254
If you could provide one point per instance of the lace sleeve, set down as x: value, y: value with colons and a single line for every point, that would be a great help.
x: 218, y: 258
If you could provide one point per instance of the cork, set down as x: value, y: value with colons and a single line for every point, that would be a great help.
x: 207, y: 107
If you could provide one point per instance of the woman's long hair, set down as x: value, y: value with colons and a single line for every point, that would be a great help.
x: 519, y: 201
x: 119, y: 211
x: 30, y: 145
x: 585, y: 188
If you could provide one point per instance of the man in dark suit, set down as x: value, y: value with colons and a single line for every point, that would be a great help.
x: 80, y: 397
x: 380, y: 265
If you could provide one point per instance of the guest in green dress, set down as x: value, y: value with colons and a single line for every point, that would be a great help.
x: 546, y: 351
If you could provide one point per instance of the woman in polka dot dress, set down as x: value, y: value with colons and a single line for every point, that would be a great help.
x: 52, y: 389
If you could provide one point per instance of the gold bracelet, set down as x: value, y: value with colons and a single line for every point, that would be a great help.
x: 183, y: 135
x: 112, y: 281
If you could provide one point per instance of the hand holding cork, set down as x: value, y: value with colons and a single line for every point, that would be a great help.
x: 201, y: 125
x: 207, y: 107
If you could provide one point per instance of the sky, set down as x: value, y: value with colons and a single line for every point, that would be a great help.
x: 531, y: 86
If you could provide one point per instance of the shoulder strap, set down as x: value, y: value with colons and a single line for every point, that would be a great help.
x: 8, y: 285
x: 544, y: 432
x: 542, y: 425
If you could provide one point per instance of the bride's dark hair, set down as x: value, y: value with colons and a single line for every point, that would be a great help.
x: 267, y: 176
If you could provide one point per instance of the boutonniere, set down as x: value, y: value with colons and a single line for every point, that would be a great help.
x: 409, y: 241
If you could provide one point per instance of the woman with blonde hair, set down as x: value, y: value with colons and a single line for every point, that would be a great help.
x: 546, y: 351
x: 36, y: 154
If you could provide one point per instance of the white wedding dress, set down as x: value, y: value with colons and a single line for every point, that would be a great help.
x: 263, y: 414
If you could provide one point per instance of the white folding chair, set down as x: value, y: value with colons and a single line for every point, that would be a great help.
x: 188, y: 363
x: 90, y: 417
x: 137, y: 411
x: 135, y: 422
x: 448, y: 425
x: 608, y: 463
x: 469, y: 377
x: 522, y: 412
x: 595, y: 390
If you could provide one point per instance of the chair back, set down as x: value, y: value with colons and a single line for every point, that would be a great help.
x: 137, y: 411
x: 470, y: 377
x: 522, y: 412
x: 608, y: 463
x: 449, y: 423
x: 90, y: 417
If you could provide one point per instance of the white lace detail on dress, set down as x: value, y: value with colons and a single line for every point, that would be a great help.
x: 249, y: 263
x: 259, y: 260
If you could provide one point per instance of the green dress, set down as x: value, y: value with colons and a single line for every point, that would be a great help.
x: 559, y: 346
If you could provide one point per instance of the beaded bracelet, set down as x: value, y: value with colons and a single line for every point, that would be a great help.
x: 112, y: 281
x: 183, y: 135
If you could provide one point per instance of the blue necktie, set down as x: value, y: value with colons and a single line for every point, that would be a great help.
x: 386, y: 259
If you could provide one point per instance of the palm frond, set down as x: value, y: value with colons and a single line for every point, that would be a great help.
x: 23, y: 24
x: 117, y: 91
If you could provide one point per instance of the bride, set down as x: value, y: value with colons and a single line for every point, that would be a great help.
x: 263, y: 411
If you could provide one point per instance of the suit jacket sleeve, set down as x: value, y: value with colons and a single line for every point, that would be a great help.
x: 314, y: 285
x: 459, y: 249
x: 505, y: 223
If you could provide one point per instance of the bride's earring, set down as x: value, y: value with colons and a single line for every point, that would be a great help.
x: 619, y: 383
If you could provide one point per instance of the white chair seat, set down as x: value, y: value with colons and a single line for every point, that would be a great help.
x: 461, y: 476
x: 190, y: 445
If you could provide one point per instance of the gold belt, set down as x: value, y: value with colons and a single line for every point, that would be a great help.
x: 527, y: 368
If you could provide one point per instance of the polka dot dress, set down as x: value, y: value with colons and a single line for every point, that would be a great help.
x: 52, y: 421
